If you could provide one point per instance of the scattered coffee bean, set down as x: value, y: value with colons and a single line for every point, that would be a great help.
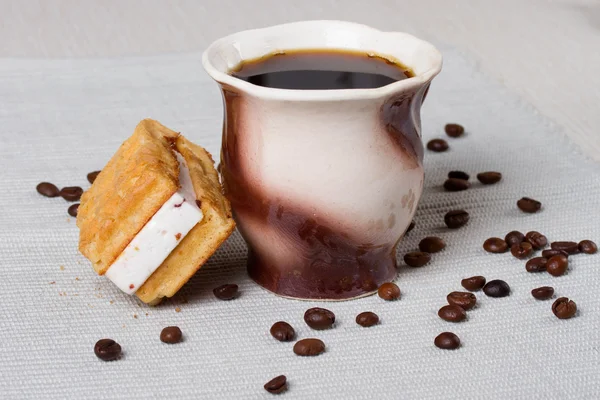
x: 389, y: 291
x: 437, y: 145
x: 416, y: 259
x: 536, y: 264
x: 276, y: 385
x: 432, y: 244
x: 567, y: 247
x: 495, y: 245
x: 557, y: 265
x: 47, y: 189
x: 456, y: 218
x: 319, y: 318
x: 447, y: 341
x: 283, y: 331
x: 496, y: 288
x: 521, y: 250
x: 72, y: 210
x: 514, y: 237
x: 587, y: 247
x: 452, y: 313
x: 564, y: 308
x: 473, y: 283
x: 309, y: 347
x: 226, y: 292
x: 367, y: 319
x: 465, y: 300
x: 456, y: 185
x: 411, y: 226
x: 91, y: 177
x: 529, y: 205
x: 537, y: 240
x: 171, y: 335
x: 107, y: 349
x: 454, y: 130
x: 458, y: 175
x: 542, y: 293
x: 71, y: 193
x: 551, y: 253
x: 489, y: 178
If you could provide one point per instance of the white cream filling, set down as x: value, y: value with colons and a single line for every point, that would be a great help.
x: 159, y: 237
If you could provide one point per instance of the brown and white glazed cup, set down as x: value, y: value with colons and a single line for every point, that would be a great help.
x: 323, y: 183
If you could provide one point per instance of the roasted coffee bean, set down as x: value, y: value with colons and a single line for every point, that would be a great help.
x: 416, y: 258
x: 319, y: 318
x: 495, y: 245
x: 447, y: 341
x: 529, y: 205
x: 91, y: 177
x: 411, y: 226
x: 564, y: 308
x: 432, y: 244
x: 171, y: 335
x: 514, y: 237
x: 473, y: 283
x: 456, y: 218
x: 521, y: 250
x: 557, y: 265
x: 465, y: 300
x: 551, y: 253
x: 452, y: 313
x: 226, y: 292
x: 309, y: 347
x: 283, y: 331
x: 437, y: 145
x: 454, y: 130
x: 537, y: 240
x: 389, y: 291
x: 367, y: 319
x: 47, y: 189
x: 567, y: 247
x: 536, y: 264
x: 456, y: 185
x: 587, y: 247
x: 73, y: 209
x: 276, y: 385
x: 71, y: 193
x: 496, y: 288
x: 458, y: 175
x: 489, y: 178
x: 542, y: 293
x: 107, y: 349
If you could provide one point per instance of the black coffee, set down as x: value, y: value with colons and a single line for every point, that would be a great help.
x: 322, y: 70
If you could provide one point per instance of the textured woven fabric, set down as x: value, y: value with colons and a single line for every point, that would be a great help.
x: 62, y: 119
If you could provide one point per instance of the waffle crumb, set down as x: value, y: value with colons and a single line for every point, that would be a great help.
x: 177, y: 309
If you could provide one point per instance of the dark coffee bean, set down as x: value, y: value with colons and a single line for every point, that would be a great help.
x: 319, y: 318
x: 416, y: 258
x: 473, y: 283
x: 537, y: 240
x: 71, y: 193
x: 567, y: 247
x: 437, y: 145
x: 456, y: 185
x: 367, y: 319
x: 489, y: 178
x: 389, y: 291
x: 47, y: 189
x: 542, y: 293
x: 495, y: 245
x: 283, y: 331
x: 496, y: 288
x: 452, y: 313
x: 309, y: 347
x: 465, y: 300
x: 456, y: 218
x: 514, y: 237
x: 432, y: 244
x: 458, y: 175
x: 521, y: 250
x: 411, y: 226
x: 587, y: 247
x: 564, y: 308
x: 72, y: 210
x: 529, y: 205
x: 107, y: 349
x: 551, y: 253
x: 226, y: 292
x: 171, y: 335
x: 447, y: 341
x: 557, y: 265
x: 276, y: 385
x: 536, y: 264
x: 91, y: 177
x: 454, y: 130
